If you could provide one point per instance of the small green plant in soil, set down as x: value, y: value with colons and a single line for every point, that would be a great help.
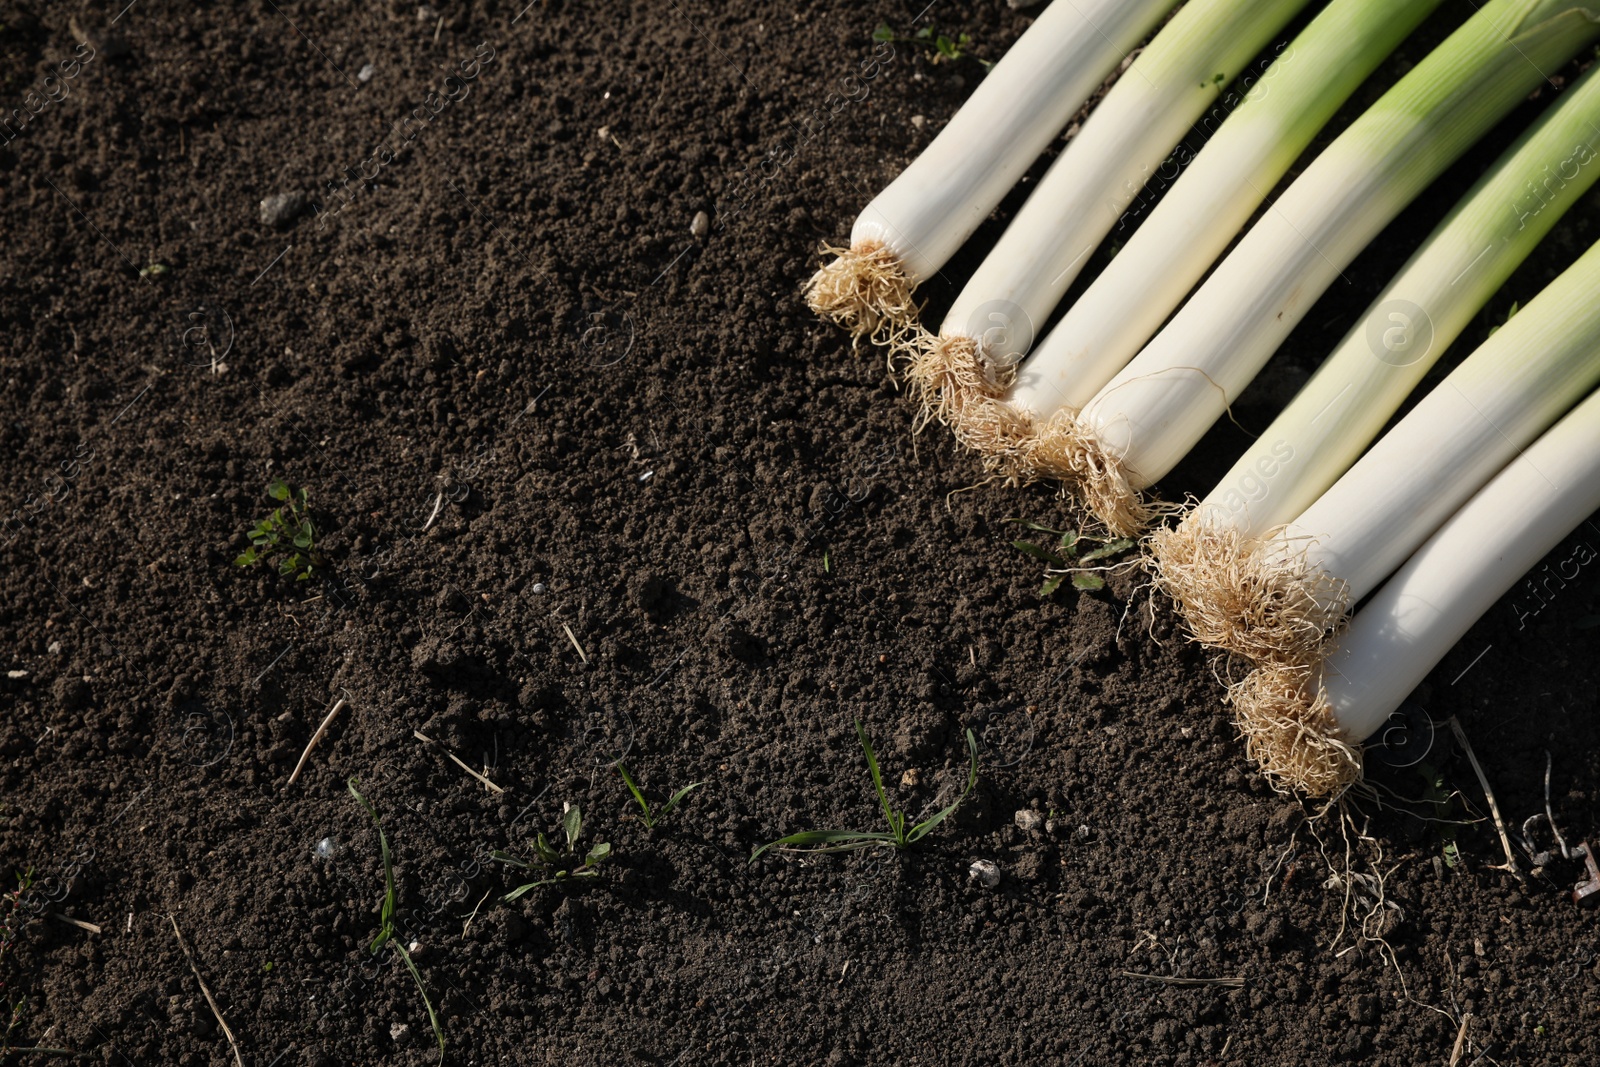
x: 944, y: 48
x: 1071, y: 556
x: 559, y: 865
x: 386, y: 932
x: 1516, y: 306
x: 1438, y: 795
x: 285, y: 535
x: 652, y: 816
x: 901, y: 833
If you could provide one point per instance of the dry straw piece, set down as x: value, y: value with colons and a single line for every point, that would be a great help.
x: 327, y: 721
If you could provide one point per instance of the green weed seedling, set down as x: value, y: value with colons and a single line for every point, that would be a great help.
x: 1441, y: 798
x: 558, y: 865
x: 899, y: 835
x: 943, y: 47
x: 1516, y: 306
x: 1071, y: 557
x: 286, y: 534
x: 654, y: 815
x: 386, y: 930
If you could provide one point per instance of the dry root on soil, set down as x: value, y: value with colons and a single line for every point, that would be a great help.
x: 1290, y: 731
x: 865, y: 290
x: 956, y: 386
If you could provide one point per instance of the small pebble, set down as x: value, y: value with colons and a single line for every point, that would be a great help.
x: 1027, y: 820
x: 54, y: 648
x: 325, y: 849
x: 911, y: 777
x: 647, y: 475
x: 398, y: 1032
x: 280, y: 209
x: 366, y: 72
x: 985, y: 873
x: 701, y: 225
x: 538, y: 587
x: 919, y: 121
x: 1083, y: 833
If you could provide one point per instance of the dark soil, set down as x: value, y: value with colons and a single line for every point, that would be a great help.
x: 592, y: 487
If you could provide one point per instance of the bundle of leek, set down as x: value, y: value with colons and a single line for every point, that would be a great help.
x: 1141, y: 423
x: 1136, y: 426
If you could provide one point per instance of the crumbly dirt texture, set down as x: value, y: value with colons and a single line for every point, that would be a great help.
x: 592, y: 482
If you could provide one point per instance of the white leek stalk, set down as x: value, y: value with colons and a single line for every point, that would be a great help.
x: 1212, y: 201
x: 915, y: 225
x: 1180, y: 74
x: 1150, y: 415
x: 1293, y: 589
x: 1383, y: 358
x: 1306, y: 725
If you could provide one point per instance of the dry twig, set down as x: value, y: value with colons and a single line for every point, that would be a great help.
x: 574, y: 639
x: 425, y: 739
x: 326, y: 722
x: 1235, y: 982
x: 1494, y: 808
x: 211, y: 1000
x: 79, y: 923
x: 1461, y: 1040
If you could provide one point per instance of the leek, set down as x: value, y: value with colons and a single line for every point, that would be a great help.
x: 1302, y: 726
x: 908, y: 231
